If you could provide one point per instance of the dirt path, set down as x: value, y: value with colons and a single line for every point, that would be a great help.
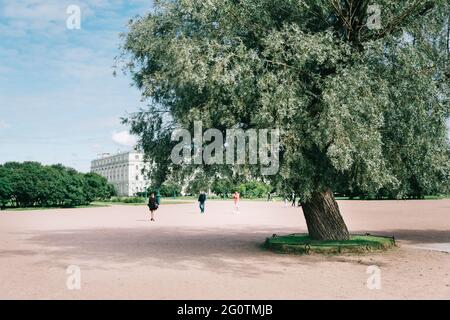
x: 185, y: 255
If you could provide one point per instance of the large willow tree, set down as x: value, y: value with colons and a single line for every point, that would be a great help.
x: 360, y: 95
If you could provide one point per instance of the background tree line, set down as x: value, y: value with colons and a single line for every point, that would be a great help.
x: 220, y: 186
x: 31, y: 184
x: 255, y: 189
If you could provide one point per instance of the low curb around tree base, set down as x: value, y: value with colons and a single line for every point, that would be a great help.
x: 303, y: 244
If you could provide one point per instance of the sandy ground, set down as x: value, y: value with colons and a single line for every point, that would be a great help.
x: 185, y: 255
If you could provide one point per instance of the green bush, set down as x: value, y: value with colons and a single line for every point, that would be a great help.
x: 31, y: 184
x: 129, y: 199
x: 254, y: 189
x: 223, y: 187
x: 170, y: 189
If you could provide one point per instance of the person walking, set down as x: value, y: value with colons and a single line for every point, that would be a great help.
x: 201, y: 201
x: 286, y: 201
x: 153, y: 206
x: 236, y: 198
x: 294, y: 197
x: 158, y: 198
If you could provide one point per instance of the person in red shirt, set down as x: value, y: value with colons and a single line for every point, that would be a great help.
x: 236, y: 198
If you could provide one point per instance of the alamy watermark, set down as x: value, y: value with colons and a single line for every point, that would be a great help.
x: 374, y: 280
x: 73, y: 281
x: 374, y: 17
x: 73, y: 22
x: 231, y: 150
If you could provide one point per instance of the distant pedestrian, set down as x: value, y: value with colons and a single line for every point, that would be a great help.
x: 286, y: 201
x: 269, y: 196
x: 236, y: 198
x: 294, y: 197
x: 153, y: 206
x: 201, y: 201
x: 158, y: 198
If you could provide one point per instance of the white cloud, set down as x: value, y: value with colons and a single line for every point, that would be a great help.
x: 123, y: 138
x: 3, y: 124
x: 33, y: 10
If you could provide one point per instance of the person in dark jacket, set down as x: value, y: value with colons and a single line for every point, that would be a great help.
x: 158, y: 198
x: 201, y: 201
x: 153, y: 206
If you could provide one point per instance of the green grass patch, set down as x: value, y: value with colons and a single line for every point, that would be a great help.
x: 110, y: 203
x: 215, y: 198
x: 430, y: 197
x: 303, y: 244
x: 176, y: 201
x: 128, y: 200
x: 93, y: 205
x: 438, y: 197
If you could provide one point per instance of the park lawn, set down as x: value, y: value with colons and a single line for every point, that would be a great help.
x: 215, y: 198
x: 93, y: 205
x: 431, y: 197
x: 189, y: 199
x: 176, y: 201
x: 438, y: 197
x: 163, y: 202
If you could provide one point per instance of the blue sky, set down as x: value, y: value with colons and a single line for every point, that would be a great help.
x: 59, y: 102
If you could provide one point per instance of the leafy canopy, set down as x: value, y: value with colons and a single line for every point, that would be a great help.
x: 358, y: 108
x: 31, y: 184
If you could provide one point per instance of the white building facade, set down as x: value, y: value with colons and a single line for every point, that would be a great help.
x: 126, y: 171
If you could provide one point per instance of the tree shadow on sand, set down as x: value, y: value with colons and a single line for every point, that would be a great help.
x: 214, y: 249
x: 236, y: 250
x: 417, y: 236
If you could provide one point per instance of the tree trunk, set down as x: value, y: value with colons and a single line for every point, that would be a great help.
x: 323, y: 218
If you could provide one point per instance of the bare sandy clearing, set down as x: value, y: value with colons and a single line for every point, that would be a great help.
x: 185, y: 255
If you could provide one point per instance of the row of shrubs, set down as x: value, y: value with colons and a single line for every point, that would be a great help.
x: 129, y: 199
x: 31, y: 184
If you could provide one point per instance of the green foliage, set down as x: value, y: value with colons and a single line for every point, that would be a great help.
x: 198, y: 182
x: 6, y: 190
x: 128, y: 199
x: 170, y: 189
x: 254, y: 189
x: 31, y: 184
x: 223, y: 187
x: 360, y: 110
x: 97, y: 187
x: 251, y: 189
